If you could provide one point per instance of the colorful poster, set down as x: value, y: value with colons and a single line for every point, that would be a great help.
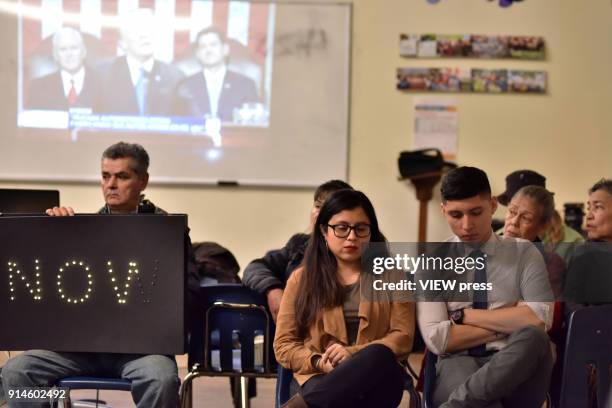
x: 477, y: 80
x: 472, y: 46
x: 527, y: 81
x: 434, y: 79
x: 489, y: 80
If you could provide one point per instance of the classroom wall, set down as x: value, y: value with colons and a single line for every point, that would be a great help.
x: 565, y: 134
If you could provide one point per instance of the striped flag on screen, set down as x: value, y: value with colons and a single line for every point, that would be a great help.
x: 178, y: 22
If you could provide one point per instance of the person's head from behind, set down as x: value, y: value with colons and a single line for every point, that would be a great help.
x: 599, y: 211
x: 211, y: 47
x: 69, y: 49
x: 322, y: 193
x: 467, y: 204
x: 530, y: 213
x: 137, y: 34
x: 124, y: 176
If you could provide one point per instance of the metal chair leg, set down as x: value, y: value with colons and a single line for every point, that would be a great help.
x: 68, y: 401
x: 185, y: 391
x: 244, y: 392
x: 236, y: 392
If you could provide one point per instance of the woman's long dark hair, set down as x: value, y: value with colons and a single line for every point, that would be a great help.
x: 319, y: 287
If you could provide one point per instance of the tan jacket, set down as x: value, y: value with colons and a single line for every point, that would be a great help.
x: 384, y: 322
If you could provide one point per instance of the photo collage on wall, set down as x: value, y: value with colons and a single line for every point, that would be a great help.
x: 476, y: 80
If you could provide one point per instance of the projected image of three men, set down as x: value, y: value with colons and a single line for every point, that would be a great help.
x: 189, y: 67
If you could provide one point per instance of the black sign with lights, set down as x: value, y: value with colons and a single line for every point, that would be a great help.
x: 96, y: 283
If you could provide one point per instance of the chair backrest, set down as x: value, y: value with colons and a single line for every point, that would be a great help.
x: 588, y: 357
x: 235, y: 319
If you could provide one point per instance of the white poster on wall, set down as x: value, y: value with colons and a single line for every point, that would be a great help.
x: 436, y: 125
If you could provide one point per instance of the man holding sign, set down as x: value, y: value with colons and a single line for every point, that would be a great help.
x: 154, y: 378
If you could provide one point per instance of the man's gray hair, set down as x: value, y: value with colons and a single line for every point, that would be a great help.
x: 140, y: 162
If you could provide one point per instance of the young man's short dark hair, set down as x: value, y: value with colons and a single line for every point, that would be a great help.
x: 209, y: 30
x: 464, y: 182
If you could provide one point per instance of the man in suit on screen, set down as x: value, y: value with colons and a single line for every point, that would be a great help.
x: 73, y: 84
x: 137, y: 83
x: 215, y: 91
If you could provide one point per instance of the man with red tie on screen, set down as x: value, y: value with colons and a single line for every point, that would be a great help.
x: 73, y: 84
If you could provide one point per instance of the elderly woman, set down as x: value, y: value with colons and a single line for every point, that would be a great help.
x: 599, y: 214
x: 590, y: 272
x: 529, y: 215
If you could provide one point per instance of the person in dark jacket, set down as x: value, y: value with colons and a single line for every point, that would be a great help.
x: 268, y: 275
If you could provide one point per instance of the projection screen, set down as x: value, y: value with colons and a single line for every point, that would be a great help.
x: 252, y: 93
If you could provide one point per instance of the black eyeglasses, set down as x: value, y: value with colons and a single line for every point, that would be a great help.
x: 344, y: 230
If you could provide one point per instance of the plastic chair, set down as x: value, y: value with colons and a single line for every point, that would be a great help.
x: 234, y: 339
x: 588, y: 358
x: 283, y: 386
x: 93, y: 383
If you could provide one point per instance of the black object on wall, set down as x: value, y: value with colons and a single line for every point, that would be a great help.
x: 416, y: 162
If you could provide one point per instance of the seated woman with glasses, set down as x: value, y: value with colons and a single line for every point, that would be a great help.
x: 343, y: 349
